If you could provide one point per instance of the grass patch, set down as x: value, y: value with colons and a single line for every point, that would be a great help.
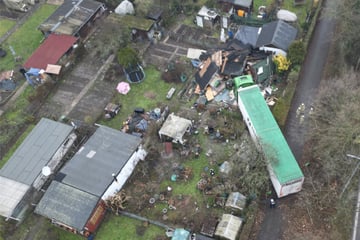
x: 15, y: 146
x: 6, y: 25
x: 27, y: 38
x: 125, y: 228
x: 148, y: 95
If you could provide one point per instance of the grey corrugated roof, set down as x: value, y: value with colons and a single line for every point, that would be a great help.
x: 247, y: 35
x: 106, y: 152
x: 11, y: 193
x: 35, y: 151
x: 67, y: 205
x: 70, y: 16
x: 278, y: 34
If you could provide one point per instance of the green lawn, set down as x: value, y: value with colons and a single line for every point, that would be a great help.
x: 27, y: 38
x: 6, y: 25
x: 125, y: 228
x: 149, y: 94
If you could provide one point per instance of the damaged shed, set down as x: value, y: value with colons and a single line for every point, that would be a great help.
x: 175, y: 127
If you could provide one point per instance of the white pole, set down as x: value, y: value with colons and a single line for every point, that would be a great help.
x: 356, y: 218
x: 356, y: 222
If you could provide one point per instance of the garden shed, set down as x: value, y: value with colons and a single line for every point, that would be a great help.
x: 45, y: 146
x: 277, y: 34
x: 206, y: 17
x: 247, y: 35
x: 73, y: 18
x: 175, y: 127
x: 228, y: 227
x: 236, y: 201
x: 55, y: 47
x: 99, y: 169
x: 142, y: 28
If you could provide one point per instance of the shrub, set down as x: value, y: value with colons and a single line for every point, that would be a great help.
x: 127, y: 56
x: 296, y: 52
x: 282, y: 63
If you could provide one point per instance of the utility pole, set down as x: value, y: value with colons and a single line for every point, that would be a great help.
x: 352, y: 174
x: 356, y: 217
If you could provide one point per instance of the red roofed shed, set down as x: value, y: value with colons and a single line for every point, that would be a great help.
x: 50, y: 51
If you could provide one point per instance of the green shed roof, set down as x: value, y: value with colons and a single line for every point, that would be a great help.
x: 133, y: 22
x: 271, y: 139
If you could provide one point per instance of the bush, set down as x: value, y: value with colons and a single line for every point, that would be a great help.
x: 296, y: 52
x: 127, y: 56
x: 282, y: 63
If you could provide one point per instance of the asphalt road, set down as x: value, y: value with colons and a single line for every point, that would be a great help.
x: 274, y: 222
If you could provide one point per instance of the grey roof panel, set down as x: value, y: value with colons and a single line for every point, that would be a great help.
x: 35, y: 151
x: 266, y: 34
x: 106, y: 152
x: 67, y: 205
x: 11, y: 193
x: 278, y: 34
x: 247, y: 35
x: 70, y: 16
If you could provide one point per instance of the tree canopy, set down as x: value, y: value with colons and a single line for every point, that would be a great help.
x: 127, y: 56
x: 348, y: 16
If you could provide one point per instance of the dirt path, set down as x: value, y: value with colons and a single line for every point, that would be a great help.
x: 83, y: 93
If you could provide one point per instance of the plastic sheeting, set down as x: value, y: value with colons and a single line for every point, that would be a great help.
x: 286, y: 15
x: 125, y: 7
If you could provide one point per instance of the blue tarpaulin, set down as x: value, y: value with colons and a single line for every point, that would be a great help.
x: 32, y: 72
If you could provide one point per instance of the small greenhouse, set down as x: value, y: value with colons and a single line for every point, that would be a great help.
x: 236, y: 201
x: 229, y: 227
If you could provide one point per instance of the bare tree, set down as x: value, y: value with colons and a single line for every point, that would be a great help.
x: 334, y: 132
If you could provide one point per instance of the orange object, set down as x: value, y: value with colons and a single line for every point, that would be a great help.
x: 241, y: 13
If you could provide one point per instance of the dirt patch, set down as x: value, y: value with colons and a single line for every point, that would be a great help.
x: 150, y: 95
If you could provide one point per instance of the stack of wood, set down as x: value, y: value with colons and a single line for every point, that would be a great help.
x: 116, y: 202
